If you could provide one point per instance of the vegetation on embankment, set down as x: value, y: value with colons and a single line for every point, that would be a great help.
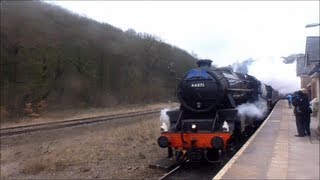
x: 51, y: 54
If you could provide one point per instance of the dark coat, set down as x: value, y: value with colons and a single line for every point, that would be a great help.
x: 301, y: 104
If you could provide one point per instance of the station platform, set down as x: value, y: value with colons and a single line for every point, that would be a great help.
x: 273, y: 152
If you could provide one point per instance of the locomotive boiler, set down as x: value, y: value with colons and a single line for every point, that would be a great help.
x: 208, y: 124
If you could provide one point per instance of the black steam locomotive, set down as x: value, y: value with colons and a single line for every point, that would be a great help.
x: 208, y: 123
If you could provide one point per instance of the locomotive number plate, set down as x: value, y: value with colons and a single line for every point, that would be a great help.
x: 197, y: 85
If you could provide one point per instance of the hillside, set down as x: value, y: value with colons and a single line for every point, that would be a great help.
x: 51, y: 54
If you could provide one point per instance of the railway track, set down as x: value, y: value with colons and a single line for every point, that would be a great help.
x: 70, y: 123
x: 191, y: 171
x: 171, y: 172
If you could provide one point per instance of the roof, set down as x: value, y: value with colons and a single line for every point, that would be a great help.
x: 312, y: 49
x: 301, y: 68
x: 315, y: 69
x: 307, y: 65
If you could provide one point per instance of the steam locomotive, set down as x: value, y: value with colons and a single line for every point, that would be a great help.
x: 208, y: 123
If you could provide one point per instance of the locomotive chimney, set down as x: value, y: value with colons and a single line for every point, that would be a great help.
x: 204, y: 63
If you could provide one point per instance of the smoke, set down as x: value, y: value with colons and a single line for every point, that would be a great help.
x: 257, y: 109
x: 274, y: 72
x: 243, y: 66
x: 164, y: 120
x: 271, y: 71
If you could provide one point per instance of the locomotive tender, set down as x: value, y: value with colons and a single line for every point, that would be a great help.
x: 207, y: 123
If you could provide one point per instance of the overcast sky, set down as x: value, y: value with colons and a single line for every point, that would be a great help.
x: 224, y: 31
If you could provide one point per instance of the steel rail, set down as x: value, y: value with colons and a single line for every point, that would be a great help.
x: 170, y: 173
x: 69, y: 123
x: 173, y: 170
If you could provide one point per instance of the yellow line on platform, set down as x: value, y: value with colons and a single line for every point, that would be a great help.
x: 235, y: 157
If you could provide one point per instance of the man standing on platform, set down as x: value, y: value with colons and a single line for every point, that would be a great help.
x: 302, y: 112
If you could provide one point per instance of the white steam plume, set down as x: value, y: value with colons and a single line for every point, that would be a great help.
x: 274, y: 72
x: 257, y: 109
x: 164, y: 120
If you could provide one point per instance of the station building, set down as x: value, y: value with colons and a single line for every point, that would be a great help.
x: 308, y: 69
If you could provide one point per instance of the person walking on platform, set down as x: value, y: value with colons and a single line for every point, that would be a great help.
x: 302, y: 112
x: 289, y: 100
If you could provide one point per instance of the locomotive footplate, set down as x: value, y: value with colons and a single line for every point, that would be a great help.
x: 166, y: 164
